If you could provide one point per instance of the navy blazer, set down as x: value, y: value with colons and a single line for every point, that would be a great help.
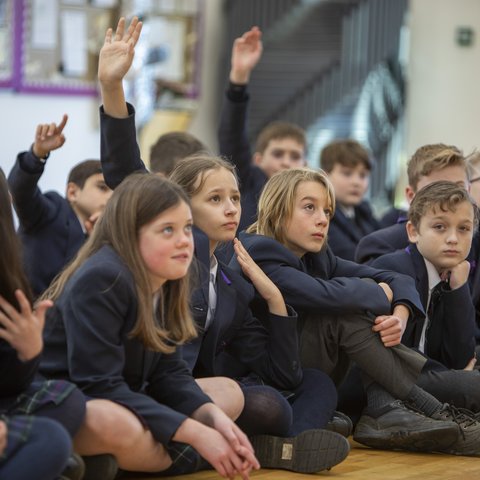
x: 87, y: 342
x: 323, y: 283
x: 380, y: 242
x: 49, y: 228
x: 344, y: 233
x: 236, y: 343
x: 450, y: 337
x: 234, y: 146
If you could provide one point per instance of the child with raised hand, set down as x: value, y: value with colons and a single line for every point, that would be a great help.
x: 53, y: 228
x: 348, y: 318
x: 121, y: 312
x: 37, y: 418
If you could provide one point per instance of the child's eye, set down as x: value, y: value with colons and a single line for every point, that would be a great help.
x: 236, y: 198
x: 188, y: 228
x: 309, y: 207
x: 328, y: 212
x: 215, y: 198
x: 464, y: 228
x: 167, y: 230
x: 439, y: 227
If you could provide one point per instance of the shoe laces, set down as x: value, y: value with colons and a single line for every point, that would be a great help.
x: 463, y: 417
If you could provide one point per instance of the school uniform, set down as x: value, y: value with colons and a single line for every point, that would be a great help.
x: 234, y: 343
x: 87, y: 341
x: 348, y: 227
x: 395, y: 237
x: 450, y: 336
x: 50, y: 230
x: 331, y: 299
x: 234, y: 146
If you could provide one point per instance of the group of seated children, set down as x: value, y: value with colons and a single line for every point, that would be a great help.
x: 163, y: 352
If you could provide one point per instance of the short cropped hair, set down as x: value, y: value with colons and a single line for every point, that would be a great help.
x: 442, y: 195
x: 473, y: 166
x: 431, y: 158
x: 277, y: 131
x: 346, y: 152
x: 170, y: 148
x: 84, y: 170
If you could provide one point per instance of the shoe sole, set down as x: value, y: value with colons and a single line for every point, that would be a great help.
x: 309, y: 452
x: 429, y: 440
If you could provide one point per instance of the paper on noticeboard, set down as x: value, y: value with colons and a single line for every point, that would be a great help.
x: 74, y: 35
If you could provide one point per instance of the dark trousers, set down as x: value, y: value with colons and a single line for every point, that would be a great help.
x: 330, y: 343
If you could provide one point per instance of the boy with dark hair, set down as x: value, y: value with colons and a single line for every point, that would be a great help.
x: 280, y: 145
x: 171, y: 147
x: 53, y: 228
x: 442, y: 220
x: 348, y: 165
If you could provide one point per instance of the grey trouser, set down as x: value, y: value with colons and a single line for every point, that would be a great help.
x: 331, y: 342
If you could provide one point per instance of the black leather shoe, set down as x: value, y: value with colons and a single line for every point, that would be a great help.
x: 468, y: 439
x: 396, y: 427
x: 100, y: 467
x: 341, y: 424
x: 75, y: 468
x: 309, y: 452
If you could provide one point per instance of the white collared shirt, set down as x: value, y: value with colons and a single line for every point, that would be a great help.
x: 212, y: 291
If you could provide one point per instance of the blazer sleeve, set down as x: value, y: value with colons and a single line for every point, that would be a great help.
x: 15, y: 375
x: 232, y: 133
x: 96, y: 331
x: 456, y: 330
x: 34, y: 209
x: 325, y: 283
x: 119, y: 152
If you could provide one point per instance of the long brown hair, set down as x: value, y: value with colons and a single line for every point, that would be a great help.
x: 12, y: 275
x: 138, y: 200
x: 277, y: 201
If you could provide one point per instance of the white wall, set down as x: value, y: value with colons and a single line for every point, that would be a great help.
x: 22, y: 113
x: 443, y: 99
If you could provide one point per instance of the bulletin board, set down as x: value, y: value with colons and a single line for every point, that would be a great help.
x: 7, y: 33
x: 58, y: 42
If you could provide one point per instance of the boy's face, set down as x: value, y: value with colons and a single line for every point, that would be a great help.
x: 453, y: 173
x: 444, y: 238
x: 280, y: 154
x: 90, y: 199
x: 306, y: 231
x: 350, y: 183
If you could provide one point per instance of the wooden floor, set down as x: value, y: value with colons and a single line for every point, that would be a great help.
x: 367, y: 464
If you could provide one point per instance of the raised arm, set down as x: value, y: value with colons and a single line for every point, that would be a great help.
x: 115, y: 60
x: 233, y: 141
x: 33, y: 208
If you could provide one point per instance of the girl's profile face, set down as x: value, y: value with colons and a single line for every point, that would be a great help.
x: 306, y: 230
x: 166, y: 245
x: 216, y: 207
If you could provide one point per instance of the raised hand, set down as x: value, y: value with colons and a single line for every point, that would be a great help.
x: 23, y: 329
x: 246, y: 53
x: 265, y: 287
x: 115, y: 59
x: 48, y: 137
x: 116, y: 55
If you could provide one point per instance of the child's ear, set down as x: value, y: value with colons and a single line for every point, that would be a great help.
x: 409, y: 194
x: 257, y: 158
x: 72, y: 190
x: 412, y: 232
